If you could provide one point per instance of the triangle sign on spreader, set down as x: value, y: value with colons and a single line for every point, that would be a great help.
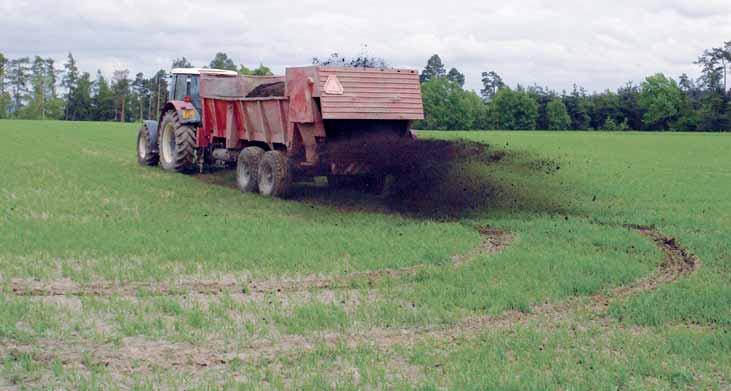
x: 333, y: 86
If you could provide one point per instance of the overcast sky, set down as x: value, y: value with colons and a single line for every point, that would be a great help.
x: 597, y: 44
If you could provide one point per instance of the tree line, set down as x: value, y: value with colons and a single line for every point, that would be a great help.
x: 659, y: 103
x: 38, y: 89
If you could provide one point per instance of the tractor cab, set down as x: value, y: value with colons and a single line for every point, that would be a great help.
x: 185, y: 84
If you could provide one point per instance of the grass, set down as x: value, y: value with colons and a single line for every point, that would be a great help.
x: 75, y: 205
x: 83, y: 209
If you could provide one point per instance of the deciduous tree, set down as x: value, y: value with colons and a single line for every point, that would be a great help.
x: 514, y: 110
x: 261, y: 70
x: 558, y: 117
x: 448, y: 107
x: 660, y: 98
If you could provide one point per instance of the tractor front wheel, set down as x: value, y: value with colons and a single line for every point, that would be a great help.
x: 274, y: 174
x: 176, y: 144
x: 145, y: 156
x: 247, y: 169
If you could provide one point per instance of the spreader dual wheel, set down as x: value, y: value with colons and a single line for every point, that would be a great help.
x: 274, y: 174
x: 145, y: 156
x: 247, y: 169
x: 177, y: 144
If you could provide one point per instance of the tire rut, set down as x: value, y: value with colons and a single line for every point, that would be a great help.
x: 492, y: 241
x: 678, y: 262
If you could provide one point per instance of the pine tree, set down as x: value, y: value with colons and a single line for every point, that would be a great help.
x: 4, y: 96
x: 434, y: 69
x: 491, y: 84
x: 456, y: 76
x: 103, y: 101
x: 140, y: 96
x: 37, y: 107
x: 120, y: 89
x: 69, y: 82
x: 17, y: 75
x: 80, y: 106
x: 181, y: 63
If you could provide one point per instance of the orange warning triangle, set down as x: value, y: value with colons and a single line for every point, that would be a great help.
x: 333, y: 86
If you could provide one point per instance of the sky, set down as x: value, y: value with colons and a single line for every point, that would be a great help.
x: 595, y: 44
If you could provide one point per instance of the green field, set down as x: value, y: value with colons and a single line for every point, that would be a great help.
x: 519, y: 271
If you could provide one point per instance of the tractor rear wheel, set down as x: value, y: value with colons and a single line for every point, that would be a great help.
x: 145, y: 156
x: 247, y: 169
x: 177, y: 144
x: 275, y: 175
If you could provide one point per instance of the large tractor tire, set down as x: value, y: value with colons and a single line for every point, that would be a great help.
x: 176, y: 144
x: 145, y: 156
x: 247, y: 169
x: 275, y: 176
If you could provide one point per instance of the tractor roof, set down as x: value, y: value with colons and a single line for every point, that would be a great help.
x: 198, y: 71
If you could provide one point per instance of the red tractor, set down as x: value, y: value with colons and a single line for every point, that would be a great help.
x: 314, y: 121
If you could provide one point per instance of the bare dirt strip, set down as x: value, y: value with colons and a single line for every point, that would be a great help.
x: 492, y: 241
x: 140, y: 355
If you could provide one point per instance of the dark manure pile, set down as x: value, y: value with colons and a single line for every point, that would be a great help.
x: 267, y: 90
x: 430, y: 178
x: 439, y: 178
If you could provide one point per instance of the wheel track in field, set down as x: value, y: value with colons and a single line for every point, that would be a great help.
x: 492, y: 241
x: 678, y: 262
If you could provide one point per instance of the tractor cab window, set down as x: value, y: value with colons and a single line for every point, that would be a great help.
x: 181, y: 86
x: 194, y: 91
x: 187, y: 85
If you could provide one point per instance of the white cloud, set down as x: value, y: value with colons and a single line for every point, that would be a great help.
x: 597, y: 44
